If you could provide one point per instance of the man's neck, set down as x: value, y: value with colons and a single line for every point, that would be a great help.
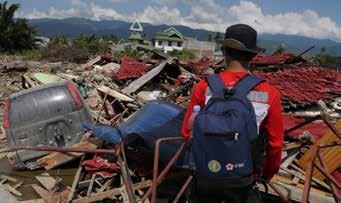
x: 236, y: 66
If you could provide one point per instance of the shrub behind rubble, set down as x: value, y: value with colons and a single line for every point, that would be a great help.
x: 56, y: 52
x: 129, y: 52
x: 77, y: 50
x: 183, y: 55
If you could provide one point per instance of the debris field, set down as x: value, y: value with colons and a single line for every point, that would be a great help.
x: 114, y: 89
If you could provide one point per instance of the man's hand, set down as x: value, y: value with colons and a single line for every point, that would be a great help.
x: 265, y: 179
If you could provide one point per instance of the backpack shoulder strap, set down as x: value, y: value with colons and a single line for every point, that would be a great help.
x: 246, y: 84
x: 216, y: 85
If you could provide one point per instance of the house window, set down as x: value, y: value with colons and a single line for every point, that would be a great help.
x: 159, y: 42
x: 169, y: 43
x: 179, y: 44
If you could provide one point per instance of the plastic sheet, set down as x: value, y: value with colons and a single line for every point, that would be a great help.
x: 156, y: 119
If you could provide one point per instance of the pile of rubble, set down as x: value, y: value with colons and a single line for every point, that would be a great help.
x: 114, y: 89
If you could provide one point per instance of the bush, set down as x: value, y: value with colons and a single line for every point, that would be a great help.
x: 91, y: 43
x: 128, y: 51
x: 34, y: 54
x: 327, y: 61
x: 78, y: 50
x: 57, y: 52
x: 183, y: 55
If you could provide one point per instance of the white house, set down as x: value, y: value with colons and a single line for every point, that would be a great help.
x: 169, y: 40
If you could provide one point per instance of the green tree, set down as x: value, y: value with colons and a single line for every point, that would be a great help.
x: 183, y: 55
x: 209, y: 37
x: 217, y: 37
x: 323, y: 50
x: 91, y: 43
x: 15, y: 34
x: 279, y: 50
x: 113, y: 38
x: 59, y: 40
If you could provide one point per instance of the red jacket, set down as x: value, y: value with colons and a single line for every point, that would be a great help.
x: 268, y: 111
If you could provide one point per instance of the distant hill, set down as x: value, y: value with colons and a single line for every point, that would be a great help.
x: 72, y: 27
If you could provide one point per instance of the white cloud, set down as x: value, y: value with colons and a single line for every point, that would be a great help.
x: 161, y: 15
x: 52, y: 13
x: 99, y: 13
x: 207, y: 14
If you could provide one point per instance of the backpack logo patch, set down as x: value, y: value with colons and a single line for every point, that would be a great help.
x: 214, y: 166
x: 231, y: 167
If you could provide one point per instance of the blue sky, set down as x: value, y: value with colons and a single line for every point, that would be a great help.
x: 312, y: 18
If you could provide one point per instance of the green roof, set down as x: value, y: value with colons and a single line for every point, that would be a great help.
x: 169, y: 39
x: 170, y: 34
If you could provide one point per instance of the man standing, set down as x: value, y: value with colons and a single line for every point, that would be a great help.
x: 239, y: 47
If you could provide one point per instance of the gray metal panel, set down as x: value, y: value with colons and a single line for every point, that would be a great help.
x: 40, y: 105
x: 45, y: 116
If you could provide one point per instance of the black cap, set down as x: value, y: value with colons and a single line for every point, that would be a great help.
x: 242, y: 37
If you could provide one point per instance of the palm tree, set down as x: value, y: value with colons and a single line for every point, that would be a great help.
x: 15, y: 34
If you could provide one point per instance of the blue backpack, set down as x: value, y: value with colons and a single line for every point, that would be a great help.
x: 224, y: 134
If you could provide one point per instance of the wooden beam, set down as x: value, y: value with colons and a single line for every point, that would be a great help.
x: 295, y: 193
x: 52, y: 196
x: 331, y: 155
x: 9, y: 178
x: 115, y: 94
x: 47, y: 181
x: 92, y: 62
x: 75, y: 182
x: 57, y: 159
x: 11, y: 189
x: 111, y: 193
x: 33, y: 201
x: 138, y: 83
x: 27, y: 82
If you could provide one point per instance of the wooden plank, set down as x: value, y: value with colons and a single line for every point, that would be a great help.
x: 321, y: 183
x: 92, y: 62
x: 27, y: 81
x: 47, y: 181
x: 33, y: 201
x: 52, y: 196
x: 105, y: 185
x: 332, y: 155
x: 111, y: 193
x: 57, y: 159
x: 101, y: 119
x: 301, y: 186
x: 40, y: 191
x: 75, y: 181
x: 68, y: 76
x: 9, y: 178
x: 16, y: 186
x: 115, y: 94
x: 289, y: 160
x: 138, y: 83
x: 291, y: 145
x: 294, y: 193
x: 282, y: 179
x: 11, y: 189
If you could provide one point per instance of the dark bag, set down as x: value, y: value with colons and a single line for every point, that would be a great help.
x: 223, y: 136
